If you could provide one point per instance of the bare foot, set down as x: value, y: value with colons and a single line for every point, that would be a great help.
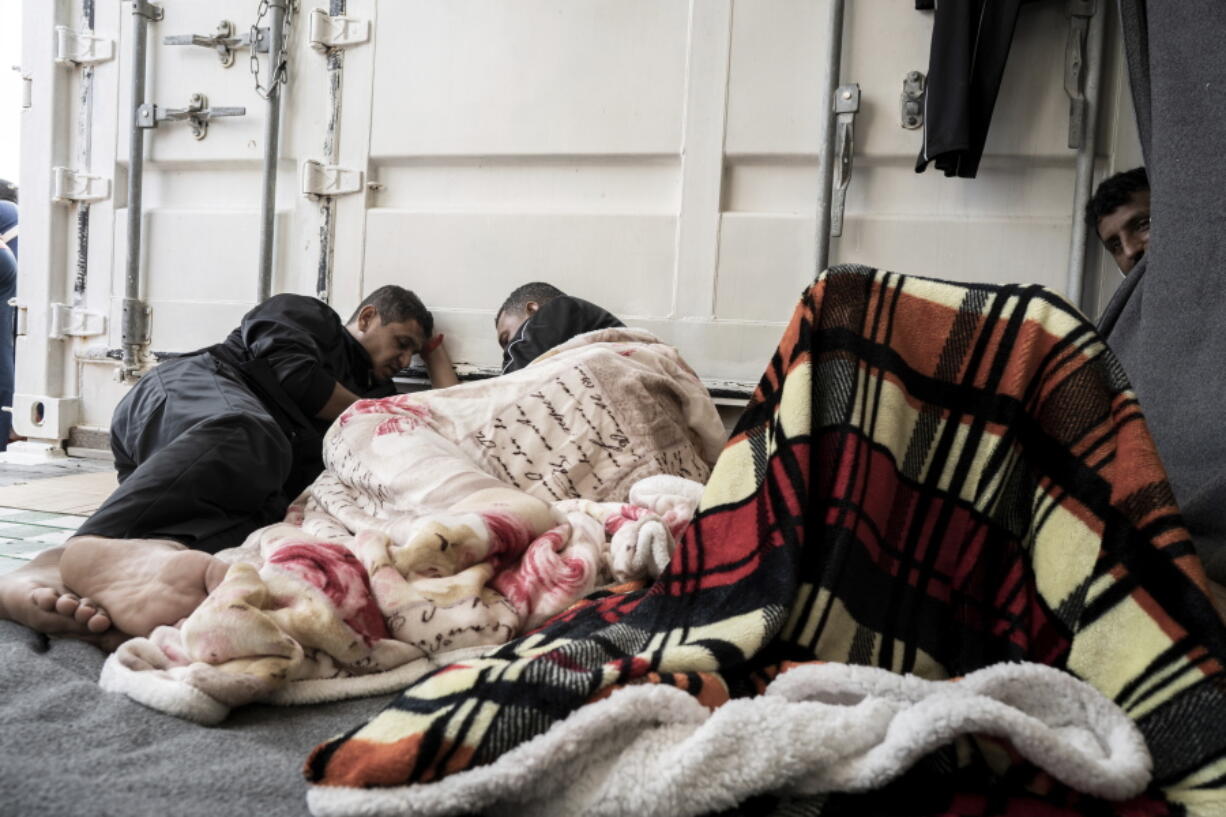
x: 142, y: 583
x: 36, y: 596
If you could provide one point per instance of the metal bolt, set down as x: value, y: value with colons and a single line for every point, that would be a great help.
x: 847, y: 95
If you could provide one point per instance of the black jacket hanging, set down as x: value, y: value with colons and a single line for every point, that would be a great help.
x: 970, y: 45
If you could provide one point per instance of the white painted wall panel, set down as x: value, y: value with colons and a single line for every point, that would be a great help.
x: 473, y: 260
x: 613, y: 184
x: 765, y: 260
x: 193, y: 324
x: 1006, y: 250
x: 777, y: 53
x: 480, y: 77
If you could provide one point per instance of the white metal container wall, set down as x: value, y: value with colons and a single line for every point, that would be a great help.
x: 655, y: 156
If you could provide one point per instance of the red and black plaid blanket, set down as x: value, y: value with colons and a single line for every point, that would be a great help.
x: 931, y: 478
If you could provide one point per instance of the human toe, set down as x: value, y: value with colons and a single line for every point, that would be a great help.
x: 45, y: 598
x: 91, y: 614
x: 67, y: 604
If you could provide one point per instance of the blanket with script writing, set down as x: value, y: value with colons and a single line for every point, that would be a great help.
x: 444, y: 524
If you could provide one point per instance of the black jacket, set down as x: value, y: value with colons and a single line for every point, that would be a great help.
x: 554, y: 323
x: 290, y: 352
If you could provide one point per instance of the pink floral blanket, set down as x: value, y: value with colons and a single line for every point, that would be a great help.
x: 445, y: 524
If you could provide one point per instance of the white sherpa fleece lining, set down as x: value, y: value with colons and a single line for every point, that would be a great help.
x: 654, y: 751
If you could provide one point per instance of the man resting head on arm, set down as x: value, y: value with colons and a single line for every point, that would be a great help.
x: 209, y: 447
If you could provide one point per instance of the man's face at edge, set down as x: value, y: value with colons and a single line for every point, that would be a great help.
x: 1125, y: 231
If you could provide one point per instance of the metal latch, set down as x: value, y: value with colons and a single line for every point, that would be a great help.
x: 197, y: 112
x: 1080, y: 12
x: 74, y: 48
x: 223, y: 41
x: 69, y: 322
x: 324, y: 32
x: 68, y: 185
x: 914, y: 85
x: 319, y: 179
x: 846, y: 106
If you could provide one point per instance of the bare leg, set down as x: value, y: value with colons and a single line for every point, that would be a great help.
x: 36, y: 596
x: 142, y: 583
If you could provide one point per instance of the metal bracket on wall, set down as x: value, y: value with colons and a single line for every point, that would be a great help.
x: 319, y: 179
x: 67, y: 185
x: 914, y: 86
x: 325, y: 32
x: 1080, y: 12
x: 149, y: 11
x: 136, y: 317
x: 74, y: 48
x: 197, y: 112
x: 67, y: 321
x: 846, y: 106
x: 223, y: 41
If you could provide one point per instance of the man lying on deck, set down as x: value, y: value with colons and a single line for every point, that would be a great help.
x: 209, y: 447
x: 537, y: 317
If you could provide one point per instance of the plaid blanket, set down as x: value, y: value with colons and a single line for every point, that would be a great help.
x: 930, y: 478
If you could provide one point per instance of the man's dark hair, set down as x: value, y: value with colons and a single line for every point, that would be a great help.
x: 518, y: 300
x: 395, y: 304
x: 1115, y: 192
x: 8, y: 191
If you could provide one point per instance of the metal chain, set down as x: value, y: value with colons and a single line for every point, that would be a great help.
x: 280, y: 73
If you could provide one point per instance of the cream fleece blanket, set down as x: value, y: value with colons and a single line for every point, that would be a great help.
x: 655, y: 751
x: 446, y: 523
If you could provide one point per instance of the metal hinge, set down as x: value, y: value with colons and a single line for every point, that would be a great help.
x: 79, y: 323
x: 69, y: 185
x: 319, y: 179
x: 913, y: 89
x: 324, y: 32
x: 74, y: 48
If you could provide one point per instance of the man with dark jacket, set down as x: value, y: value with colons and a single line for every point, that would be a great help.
x: 211, y: 446
x: 537, y: 317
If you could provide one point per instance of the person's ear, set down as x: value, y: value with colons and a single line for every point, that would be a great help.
x: 366, y: 318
